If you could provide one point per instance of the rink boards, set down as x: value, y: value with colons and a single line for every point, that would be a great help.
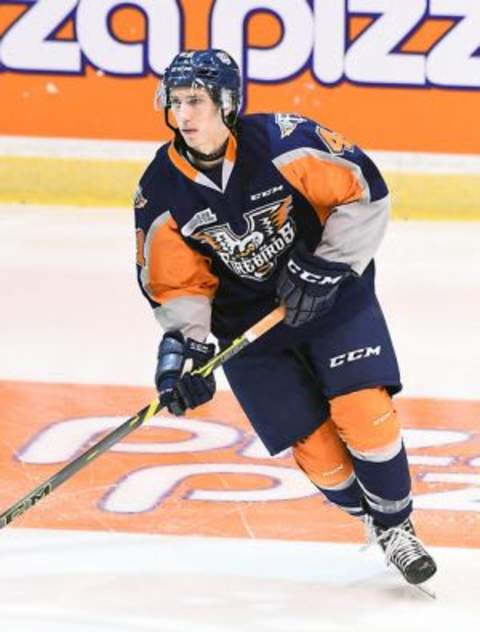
x: 207, y: 474
x: 428, y: 196
x: 83, y: 173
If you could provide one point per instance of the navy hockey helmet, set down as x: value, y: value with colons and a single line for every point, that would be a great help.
x: 212, y: 69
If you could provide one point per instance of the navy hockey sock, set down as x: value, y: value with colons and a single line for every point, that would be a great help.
x: 386, y: 487
x: 349, y: 499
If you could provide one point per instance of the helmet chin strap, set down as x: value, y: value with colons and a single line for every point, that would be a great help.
x: 214, y: 155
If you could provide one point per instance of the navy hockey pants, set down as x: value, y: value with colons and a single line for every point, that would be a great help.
x: 284, y: 380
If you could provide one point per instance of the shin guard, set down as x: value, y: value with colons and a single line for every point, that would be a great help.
x: 367, y: 422
x: 326, y: 461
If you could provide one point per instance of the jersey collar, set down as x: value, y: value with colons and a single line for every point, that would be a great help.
x: 199, y: 177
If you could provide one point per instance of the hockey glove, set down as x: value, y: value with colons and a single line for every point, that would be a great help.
x: 308, y: 285
x: 177, y: 388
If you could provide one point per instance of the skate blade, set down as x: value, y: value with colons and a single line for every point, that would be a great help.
x: 426, y: 588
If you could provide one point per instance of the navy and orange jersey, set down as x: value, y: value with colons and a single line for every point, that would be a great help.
x: 208, y: 255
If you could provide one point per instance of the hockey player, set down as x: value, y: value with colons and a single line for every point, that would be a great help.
x: 240, y: 213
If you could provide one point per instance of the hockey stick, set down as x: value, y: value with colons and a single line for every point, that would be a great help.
x: 48, y: 486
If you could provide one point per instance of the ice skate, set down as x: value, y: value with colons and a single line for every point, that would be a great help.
x: 404, y: 550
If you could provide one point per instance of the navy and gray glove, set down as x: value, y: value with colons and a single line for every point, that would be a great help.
x: 179, y: 390
x: 308, y: 285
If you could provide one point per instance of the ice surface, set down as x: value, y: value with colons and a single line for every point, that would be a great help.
x: 71, y: 312
x: 111, y: 581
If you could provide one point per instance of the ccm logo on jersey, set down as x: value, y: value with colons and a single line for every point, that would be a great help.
x: 264, y: 194
x: 310, y: 277
x: 353, y: 356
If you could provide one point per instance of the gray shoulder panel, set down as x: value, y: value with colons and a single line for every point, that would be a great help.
x: 353, y: 233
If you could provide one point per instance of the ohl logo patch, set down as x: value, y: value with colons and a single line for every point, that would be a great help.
x: 288, y: 123
x: 253, y: 255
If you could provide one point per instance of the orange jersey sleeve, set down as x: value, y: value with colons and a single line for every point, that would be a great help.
x: 326, y: 182
x: 341, y: 183
x: 171, y: 268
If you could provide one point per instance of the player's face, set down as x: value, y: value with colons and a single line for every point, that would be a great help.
x: 198, y: 118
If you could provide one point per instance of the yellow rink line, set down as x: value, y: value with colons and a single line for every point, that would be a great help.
x: 65, y: 181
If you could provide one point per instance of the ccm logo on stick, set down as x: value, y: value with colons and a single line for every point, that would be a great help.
x: 353, y: 356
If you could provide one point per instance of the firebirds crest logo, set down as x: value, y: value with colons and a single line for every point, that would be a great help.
x: 253, y: 255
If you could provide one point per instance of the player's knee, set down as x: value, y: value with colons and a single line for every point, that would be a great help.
x: 367, y: 422
x: 324, y: 458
